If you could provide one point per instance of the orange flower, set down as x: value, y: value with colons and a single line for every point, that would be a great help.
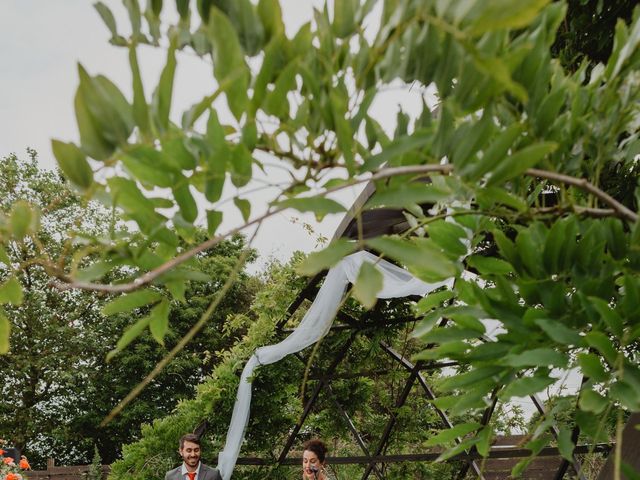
x: 8, y: 460
x: 12, y: 476
x: 1, y: 451
x: 24, y: 463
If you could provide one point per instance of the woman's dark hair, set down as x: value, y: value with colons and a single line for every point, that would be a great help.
x: 316, y: 446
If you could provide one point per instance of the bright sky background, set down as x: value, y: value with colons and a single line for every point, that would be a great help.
x: 41, y: 43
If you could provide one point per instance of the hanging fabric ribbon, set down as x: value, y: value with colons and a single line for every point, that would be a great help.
x: 317, y: 322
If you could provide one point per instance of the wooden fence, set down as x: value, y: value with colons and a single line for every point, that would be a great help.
x: 74, y: 472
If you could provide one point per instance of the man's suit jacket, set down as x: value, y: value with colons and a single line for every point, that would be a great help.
x: 206, y: 473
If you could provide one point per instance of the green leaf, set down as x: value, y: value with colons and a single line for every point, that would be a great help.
x: 204, y: 9
x: 422, y: 256
x: 629, y: 48
x: 147, y: 166
x: 367, y: 285
x: 471, y: 377
x: 125, y: 193
x: 218, y: 156
x: 73, y: 163
x: 159, y: 321
x: 270, y: 15
x: 177, y: 289
x: 503, y: 14
x: 591, y: 401
x: 432, y: 300
x: 344, y: 12
x: 273, y: 62
x: 152, y: 15
x: 5, y: 332
x: 128, y: 302
x: 140, y: 107
x: 398, y: 147
x: 403, y: 195
x: 250, y: 134
x: 177, y: 154
x: 11, y: 292
x: 489, y: 265
x: 108, y: 18
x: 520, y: 161
x: 451, y: 434
x: 214, y: 219
x: 611, y: 317
x: 536, y: 357
x: 463, y: 446
x: 228, y: 61
x: 495, y: 153
x: 4, y: 258
x: 241, y: 165
x: 601, y: 342
x: 449, y: 334
x: 523, y: 387
x: 505, y: 246
x: 326, y: 258
x: 95, y: 270
x: 129, y: 335
x: 339, y: 107
x: 468, y: 141
x: 497, y: 69
x: 565, y: 444
x: 92, y: 138
x: 109, y: 114
x: 244, y: 206
x: 490, y: 196
x: 276, y: 102
x: 427, y: 324
x: 183, y: 8
x: 320, y: 206
x: 161, y: 100
x: 592, y: 367
x: 484, y: 440
x: 558, y: 332
x: 186, y: 202
x: 133, y: 9
x: 22, y: 219
x: 624, y: 393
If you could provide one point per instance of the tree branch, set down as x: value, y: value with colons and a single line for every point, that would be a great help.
x: 65, y: 282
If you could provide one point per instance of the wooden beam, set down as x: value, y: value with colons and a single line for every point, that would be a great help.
x: 508, y: 452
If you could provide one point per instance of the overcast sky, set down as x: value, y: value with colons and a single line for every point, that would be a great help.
x: 41, y: 42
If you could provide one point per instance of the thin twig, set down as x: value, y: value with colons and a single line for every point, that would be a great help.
x: 584, y: 184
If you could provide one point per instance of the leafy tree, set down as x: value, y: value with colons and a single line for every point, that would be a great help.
x: 54, y: 335
x: 59, y: 387
x: 587, y: 30
x: 519, y: 156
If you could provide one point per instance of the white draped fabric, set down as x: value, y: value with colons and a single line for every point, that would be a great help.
x: 315, y: 325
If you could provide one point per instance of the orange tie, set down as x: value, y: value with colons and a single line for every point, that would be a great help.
x: 192, y: 475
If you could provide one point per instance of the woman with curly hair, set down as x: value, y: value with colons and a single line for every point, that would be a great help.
x: 314, y: 460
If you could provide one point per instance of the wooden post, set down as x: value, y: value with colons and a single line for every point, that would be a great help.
x: 50, y: 463
x: 629, y: 453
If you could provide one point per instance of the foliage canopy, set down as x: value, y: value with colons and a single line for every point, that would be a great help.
x: 520, y: 152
